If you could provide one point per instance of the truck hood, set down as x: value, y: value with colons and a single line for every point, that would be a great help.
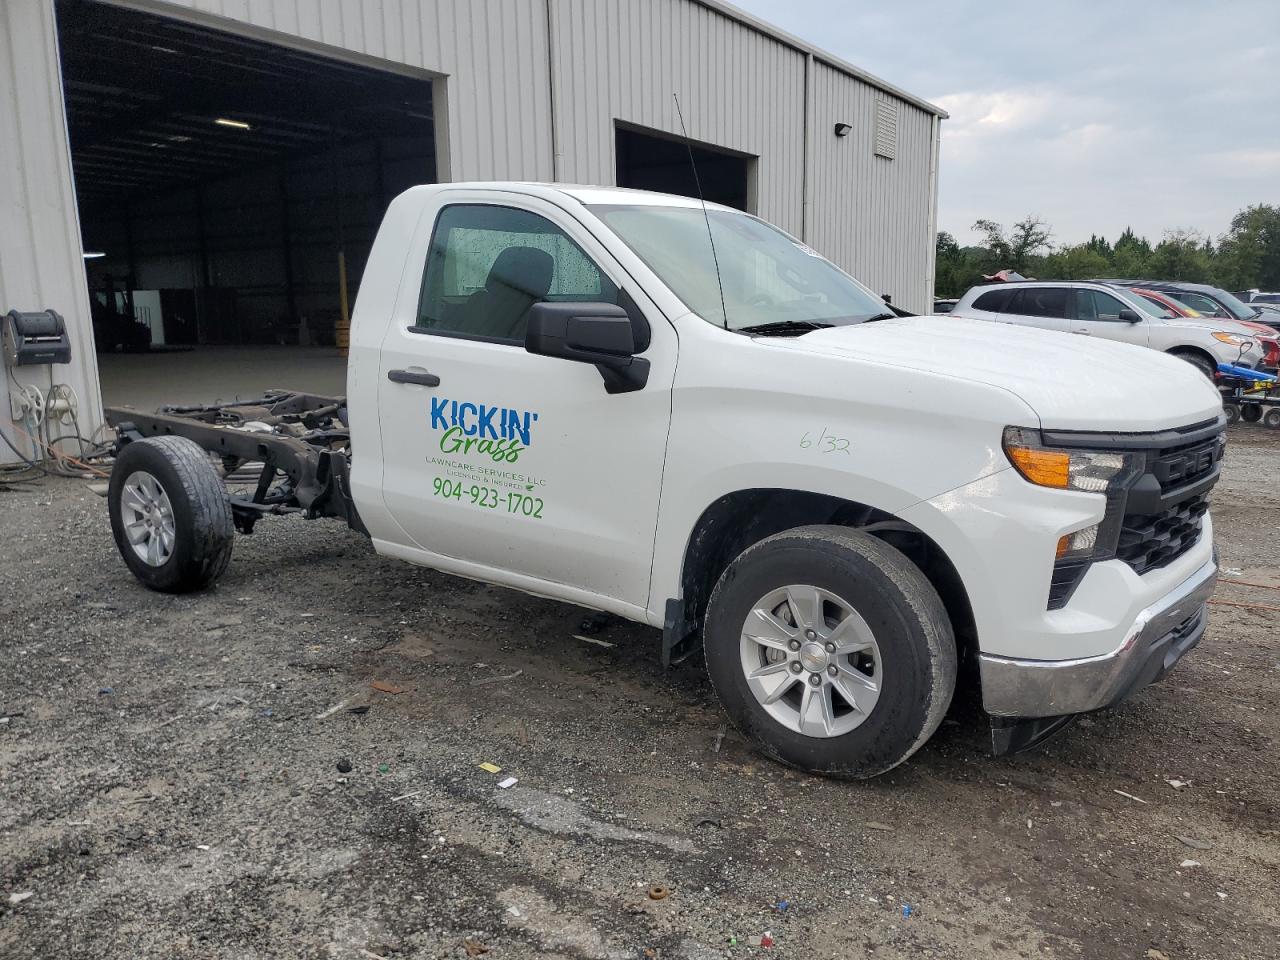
x: 1072, y: 383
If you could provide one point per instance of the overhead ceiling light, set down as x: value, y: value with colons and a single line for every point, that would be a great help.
x: 238, y: 124
x: 93, y: 254
x: 156, y: 46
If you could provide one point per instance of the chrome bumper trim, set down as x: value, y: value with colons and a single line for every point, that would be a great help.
x: 1160, y: 635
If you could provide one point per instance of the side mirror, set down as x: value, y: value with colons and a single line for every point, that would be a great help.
x: 598, y: 333
x: 1130, y: 316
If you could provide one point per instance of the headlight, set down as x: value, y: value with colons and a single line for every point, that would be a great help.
x: 1232, y: 338
x: 1093, y: 471
x: 1110, y: 473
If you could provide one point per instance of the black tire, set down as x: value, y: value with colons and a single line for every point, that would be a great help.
x: 203, y: 528
x: 1272, y: 418
x: 1232, y: 411
x: 1199, y: 361
x: 1251, y: 412
x: 912, y: 630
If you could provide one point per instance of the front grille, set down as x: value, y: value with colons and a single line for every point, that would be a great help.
x: 1152, y: 541
x: 1179, y: 466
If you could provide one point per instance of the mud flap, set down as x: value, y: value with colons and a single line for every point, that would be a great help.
x: 681, y: 638
x: 1014, y: 735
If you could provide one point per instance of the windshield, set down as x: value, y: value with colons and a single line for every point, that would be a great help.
x: 1238, y: 308
x: 769, y: 279
x: 1153, y: 307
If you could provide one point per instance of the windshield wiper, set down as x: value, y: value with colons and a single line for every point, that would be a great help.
x: 784, y: 328
x: 880, y: 316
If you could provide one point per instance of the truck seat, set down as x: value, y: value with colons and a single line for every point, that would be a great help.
x: 519, y: 278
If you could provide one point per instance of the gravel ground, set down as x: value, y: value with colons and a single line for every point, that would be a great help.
x: 169, y: 779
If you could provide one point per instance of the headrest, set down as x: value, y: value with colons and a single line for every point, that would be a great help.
x: 526, y: 269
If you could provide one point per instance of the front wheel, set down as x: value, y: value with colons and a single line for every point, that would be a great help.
x: 1199, y: 361
x: 830, y: 650
x: 169, y: 514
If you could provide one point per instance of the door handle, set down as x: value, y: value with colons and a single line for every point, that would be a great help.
x: 422, y: 378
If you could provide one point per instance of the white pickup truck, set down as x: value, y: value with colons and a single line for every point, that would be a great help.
x: 565, y: 391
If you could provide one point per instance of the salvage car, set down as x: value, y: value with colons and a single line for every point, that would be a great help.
x: 569, y: 391
x: 1262, y: 330
x: 1094, y: 309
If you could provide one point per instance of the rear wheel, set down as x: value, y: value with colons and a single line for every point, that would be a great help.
x: 1272, y: 417
x: 169, y: 514
x: 1232, y: 411
x: 830, y: 650
x: 1251, y: 412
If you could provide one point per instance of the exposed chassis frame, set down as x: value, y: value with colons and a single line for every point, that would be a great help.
x: 316, y: 475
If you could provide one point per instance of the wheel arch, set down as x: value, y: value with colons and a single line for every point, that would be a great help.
x: 1200, y: 353
x: 737, y: 520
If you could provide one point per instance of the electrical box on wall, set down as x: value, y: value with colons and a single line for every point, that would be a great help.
x: 30, y: 339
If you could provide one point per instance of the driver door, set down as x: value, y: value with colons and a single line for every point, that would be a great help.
x: 500, y: 463
x: 1098, y: 314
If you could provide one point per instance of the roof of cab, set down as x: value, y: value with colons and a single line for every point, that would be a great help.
x: 586, y: 194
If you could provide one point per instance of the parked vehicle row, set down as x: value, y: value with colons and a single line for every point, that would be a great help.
x: 1257, y: 297
x: 1207, y: 300
x: 1144, y: 313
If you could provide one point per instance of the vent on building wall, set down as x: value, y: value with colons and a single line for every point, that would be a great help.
x: 886, y: 129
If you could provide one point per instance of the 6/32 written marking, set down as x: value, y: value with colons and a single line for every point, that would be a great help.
x: 826, y: 443
x: 488, y: 497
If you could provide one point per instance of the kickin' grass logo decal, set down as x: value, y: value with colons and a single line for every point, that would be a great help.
x: 500, y: 433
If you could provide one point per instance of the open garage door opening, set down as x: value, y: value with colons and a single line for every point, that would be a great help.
x: 229, y: 191
x: 653, y: 161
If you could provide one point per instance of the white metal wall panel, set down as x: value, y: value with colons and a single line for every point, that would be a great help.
x: 871, y: 215
x: 40, y: 258
x: 738, y: 88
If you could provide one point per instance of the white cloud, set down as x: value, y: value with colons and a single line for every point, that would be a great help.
x: 1094, y: 114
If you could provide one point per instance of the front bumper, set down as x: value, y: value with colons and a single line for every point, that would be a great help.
x: 1161, y: 633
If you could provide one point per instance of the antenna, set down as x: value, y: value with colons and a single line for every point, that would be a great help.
x: 688, y: 145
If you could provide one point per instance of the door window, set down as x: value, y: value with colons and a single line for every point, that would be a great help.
x: 488, y: 265
x: 1096, y: 305
x: 1040, y: 302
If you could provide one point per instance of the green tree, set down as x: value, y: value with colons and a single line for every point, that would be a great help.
x: 956, y: 269
x: 1249, y: 252
x: 1182, y: 255
x: 1015, y: 251
x: 1081, y: 262
x: 1130, y: 256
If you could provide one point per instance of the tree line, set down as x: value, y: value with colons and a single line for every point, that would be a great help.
x: 1246, y: 256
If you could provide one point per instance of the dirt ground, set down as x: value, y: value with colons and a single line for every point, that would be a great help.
x: 169, y: 782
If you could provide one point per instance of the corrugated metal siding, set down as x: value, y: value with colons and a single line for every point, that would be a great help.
x: 40, y: 257
x: 494, y: 53
x: 871, y: 215
x: 623, y: 60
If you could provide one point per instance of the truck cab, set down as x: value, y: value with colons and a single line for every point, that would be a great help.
x: 676, y: 413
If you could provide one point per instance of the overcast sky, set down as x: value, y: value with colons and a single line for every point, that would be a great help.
x: 1159, y: 114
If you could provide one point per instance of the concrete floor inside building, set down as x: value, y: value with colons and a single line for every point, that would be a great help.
x: 209, y: 374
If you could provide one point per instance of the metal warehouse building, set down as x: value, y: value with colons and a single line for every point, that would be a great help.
x: 182, y: 177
